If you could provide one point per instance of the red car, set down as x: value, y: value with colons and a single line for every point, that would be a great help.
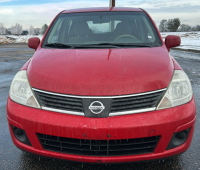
x: 102, y: 88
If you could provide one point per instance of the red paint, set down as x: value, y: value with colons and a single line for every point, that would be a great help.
x: 25, y: 66
x: 172, y: 41
x: 102, y: 72
x: 176, y: 65
x: 164, y: 122
x: 89, y: 72
x: 34, y: 42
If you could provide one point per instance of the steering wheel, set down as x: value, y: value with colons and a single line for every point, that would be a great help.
x: 126, y: 35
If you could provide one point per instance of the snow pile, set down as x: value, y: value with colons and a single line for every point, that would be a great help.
x: 189, y: 40
x: 16, y: 39
x: 4, y: 40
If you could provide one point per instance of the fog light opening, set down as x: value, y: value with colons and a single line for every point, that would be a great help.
x: 21, y: 135
x: 178, y: 139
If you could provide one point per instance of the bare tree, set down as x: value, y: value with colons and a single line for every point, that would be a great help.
x: 37, y: 31
x: 193, y: 29
x: 31, y: 30
x: 172, y: 24
x: 162, y: 25
x: 43, y: 29
x: 16, y: 30
x: 184, y: 28
x: 2, y: 29
x: 198, y: 28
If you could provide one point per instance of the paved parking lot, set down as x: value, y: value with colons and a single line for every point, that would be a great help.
x: 12, y: 58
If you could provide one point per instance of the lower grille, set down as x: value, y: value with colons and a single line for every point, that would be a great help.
x: 98, y: 147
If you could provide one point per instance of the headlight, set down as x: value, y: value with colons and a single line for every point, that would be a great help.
x: 179, y: 91
x: 20, y: 90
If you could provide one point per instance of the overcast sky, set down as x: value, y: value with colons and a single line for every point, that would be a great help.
x: 39, y: 12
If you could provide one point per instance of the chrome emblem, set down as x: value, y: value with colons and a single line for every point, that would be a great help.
x: 96, y: 107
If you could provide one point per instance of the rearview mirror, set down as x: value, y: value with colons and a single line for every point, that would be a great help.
x: 172, y: 41
x: 34, y: 42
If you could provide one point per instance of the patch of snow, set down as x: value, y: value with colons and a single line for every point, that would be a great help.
x: 189, y: 40
x: 5, y: 39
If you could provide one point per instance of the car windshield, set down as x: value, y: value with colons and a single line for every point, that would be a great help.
x: 103, y: 30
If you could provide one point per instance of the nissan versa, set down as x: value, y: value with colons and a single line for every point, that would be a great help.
x: 102, y: 88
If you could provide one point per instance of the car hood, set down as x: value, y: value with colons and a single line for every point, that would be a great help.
x: 100, y: 72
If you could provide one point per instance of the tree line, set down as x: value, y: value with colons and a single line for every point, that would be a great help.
x: 174, y: 25
x: 18, y: 30
x: 171, y: 25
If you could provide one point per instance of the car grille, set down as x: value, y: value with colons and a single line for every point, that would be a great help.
x: 120, y: 105
x: 98, y: 147
x: 136, y: 102
x: 59, y: 102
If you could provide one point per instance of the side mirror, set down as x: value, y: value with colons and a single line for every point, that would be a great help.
x: 34, y: 42
x: 172, y: 41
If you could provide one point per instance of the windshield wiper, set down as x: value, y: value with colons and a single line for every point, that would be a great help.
x: 59, y: 45
x: 136, y: 45
x: 115, y: 45
x: 100, y: 45
x: 131, y: 45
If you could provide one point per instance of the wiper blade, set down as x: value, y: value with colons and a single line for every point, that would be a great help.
x: 133, y: 45
x: 100, y: 45
x: 115, y: 45
x: 59, y: 45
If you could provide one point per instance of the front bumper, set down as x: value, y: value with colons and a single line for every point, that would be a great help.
x: 162, y: 123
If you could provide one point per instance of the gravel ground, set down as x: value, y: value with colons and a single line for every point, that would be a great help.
x: 13, y: 56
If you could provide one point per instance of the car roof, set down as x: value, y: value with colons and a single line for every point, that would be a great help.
x: 101, y: 9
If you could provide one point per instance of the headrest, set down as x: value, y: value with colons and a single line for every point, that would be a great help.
x: 122, y: 28
x: 81, y: 29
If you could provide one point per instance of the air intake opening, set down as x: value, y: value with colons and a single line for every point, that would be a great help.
x: 178, y: 139
x: 99, y: 147
x: 21, y: 135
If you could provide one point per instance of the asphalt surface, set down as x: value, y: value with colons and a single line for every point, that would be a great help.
x: 12, y: 58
